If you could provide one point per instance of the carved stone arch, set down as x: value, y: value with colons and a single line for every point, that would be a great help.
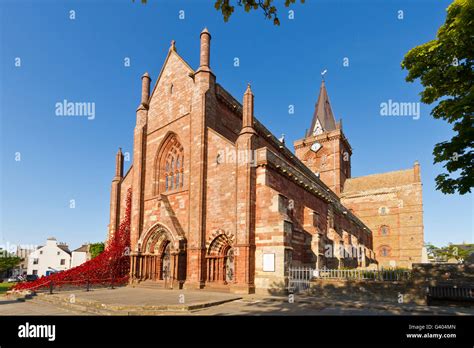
x: 161, y: 258
x: 217, y: 239
x: 156, y: 235
x: 170, y: 144
x: 220, y: 258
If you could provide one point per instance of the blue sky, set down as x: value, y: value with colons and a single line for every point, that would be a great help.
x: 82, y: 60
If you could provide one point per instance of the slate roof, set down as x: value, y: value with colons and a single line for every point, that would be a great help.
x: 64, y: 247
x: 378, y: 181
x: 84, y: 248
x: 323, y: 112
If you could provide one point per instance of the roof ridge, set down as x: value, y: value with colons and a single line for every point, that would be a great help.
x: 170, y: 52
x: 374, y: 174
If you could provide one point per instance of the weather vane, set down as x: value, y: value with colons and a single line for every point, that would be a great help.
x: 323, y: 73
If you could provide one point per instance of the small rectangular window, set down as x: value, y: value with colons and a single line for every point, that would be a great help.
x: 35, y: 261
x: 63, y: 262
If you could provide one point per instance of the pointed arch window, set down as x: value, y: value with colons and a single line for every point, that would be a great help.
x: 173, y: 169
x: 384, y: 230
x: 384, y: 251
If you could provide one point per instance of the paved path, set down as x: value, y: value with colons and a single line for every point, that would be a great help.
x: 151, y: 297
x: 314, y: 306
x: 276, y: 308
x: 9, y: 307
x: 246, y: 305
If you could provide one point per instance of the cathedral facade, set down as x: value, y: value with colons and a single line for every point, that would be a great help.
x: 219, y: 202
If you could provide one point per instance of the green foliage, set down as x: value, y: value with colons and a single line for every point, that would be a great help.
x: 452, y: 251
x: 267, y: 6
x: 4, y: 287
x: 96, y: 249
x: 445, y: 68
x: 456, y: 251
x: 431, y: 250
x: 8, y: 261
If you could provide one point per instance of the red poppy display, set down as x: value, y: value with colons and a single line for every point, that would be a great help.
x: 111, y: 266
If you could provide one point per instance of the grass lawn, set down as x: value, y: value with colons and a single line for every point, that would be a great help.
x: 4, y: 287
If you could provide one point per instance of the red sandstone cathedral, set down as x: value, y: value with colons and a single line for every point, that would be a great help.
x: 219, y: 202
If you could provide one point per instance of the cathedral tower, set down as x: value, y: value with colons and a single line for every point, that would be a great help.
x: 325, y: 149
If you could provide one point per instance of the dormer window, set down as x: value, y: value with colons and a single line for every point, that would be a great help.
x: 317, y: 128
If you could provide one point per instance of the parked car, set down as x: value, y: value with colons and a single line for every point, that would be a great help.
x: 31, y: 277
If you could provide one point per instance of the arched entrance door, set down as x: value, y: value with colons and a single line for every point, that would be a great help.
x: 162, y: 259
x: 229, y: 265
x: 220, y: 261
x: 166, y: 262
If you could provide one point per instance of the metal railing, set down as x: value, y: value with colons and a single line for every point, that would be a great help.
x: 456, y: 293
x: 362, y: 274
x: 299, y: 278
x: 87, y: 284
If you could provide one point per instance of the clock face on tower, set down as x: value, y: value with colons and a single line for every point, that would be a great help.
x: 315, y: 147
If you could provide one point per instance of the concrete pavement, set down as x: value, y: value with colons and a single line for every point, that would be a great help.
x: 144, y: 301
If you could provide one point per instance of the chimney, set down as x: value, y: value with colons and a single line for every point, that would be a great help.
x: 119, y: 164
x: 416, y: 171
x: 205, y: 57
x: 145, y: 89
x: 247, y: 111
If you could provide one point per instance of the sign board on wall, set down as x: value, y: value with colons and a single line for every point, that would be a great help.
x: 269, y: 262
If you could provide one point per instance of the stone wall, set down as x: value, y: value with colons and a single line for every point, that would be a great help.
x: 444, y: 274
x: 391, y: 205
x: 412, y: 291
x: 372, y: 291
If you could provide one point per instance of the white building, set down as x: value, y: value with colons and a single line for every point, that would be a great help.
x: 52, y: 257
x: 80, y: 255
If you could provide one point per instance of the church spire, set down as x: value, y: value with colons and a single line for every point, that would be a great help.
x: 323, y: 118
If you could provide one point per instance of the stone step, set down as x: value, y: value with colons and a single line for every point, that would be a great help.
x: 148, y: 284
x: 70, y: 306
x: 97, y: 308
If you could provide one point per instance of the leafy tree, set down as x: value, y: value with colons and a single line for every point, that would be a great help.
x: 451, y: 251
x: 457, y: 252
x: 8, y: 261
x: 96, y: 249
x: 445, y: 68
x: 268, y: 7
x: 431, y: 250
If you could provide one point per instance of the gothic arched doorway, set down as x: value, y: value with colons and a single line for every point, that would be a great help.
x: 165, y: 262
x: 162, y: 258
x: 220, y: 261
